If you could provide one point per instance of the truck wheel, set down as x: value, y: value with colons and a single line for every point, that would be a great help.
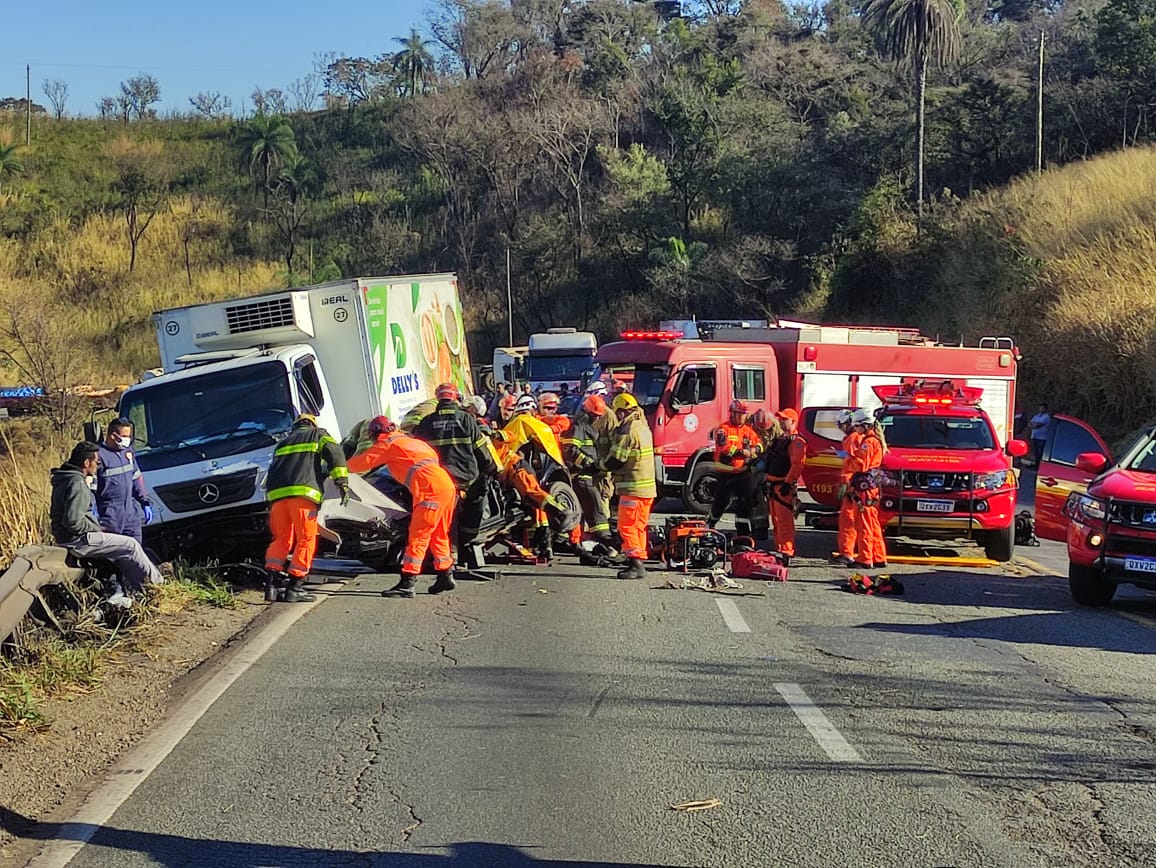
x: 1088, y: 587
x: 698, y: 492
x: 564, y: 493
x: 999, y: 544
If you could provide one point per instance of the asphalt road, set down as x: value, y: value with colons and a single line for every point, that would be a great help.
x: 553, y: 717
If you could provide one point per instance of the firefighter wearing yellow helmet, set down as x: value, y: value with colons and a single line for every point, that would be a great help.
x: 631, y: 463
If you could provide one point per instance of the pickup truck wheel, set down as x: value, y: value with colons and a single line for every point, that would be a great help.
x: 1088, y: 587
x: 999, y: 544
x: 698, y: 492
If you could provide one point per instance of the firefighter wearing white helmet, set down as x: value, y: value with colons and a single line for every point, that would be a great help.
x: 631, y: 463
x: 525, y: 404
x: 866, y: 460
x: 847, y: 537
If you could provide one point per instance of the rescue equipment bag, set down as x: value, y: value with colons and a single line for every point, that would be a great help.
x: 771, y: 566
x: 1026, y: 529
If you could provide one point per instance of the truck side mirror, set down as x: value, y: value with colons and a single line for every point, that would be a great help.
x: 93, y: 432
x: 1017, y: 448
x: 1091, y: 462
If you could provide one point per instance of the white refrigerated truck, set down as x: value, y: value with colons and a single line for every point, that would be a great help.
x: 236, y: 373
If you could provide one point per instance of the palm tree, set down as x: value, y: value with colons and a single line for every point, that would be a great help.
x: 919, y: 32
x: 9, y: 163
x: 267, y: 141
x: 413, y: 61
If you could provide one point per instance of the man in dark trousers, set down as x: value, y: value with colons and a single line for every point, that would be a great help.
x: 465, y: 453
x: 121, y: 499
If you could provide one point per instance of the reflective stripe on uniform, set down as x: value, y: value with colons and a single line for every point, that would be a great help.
x: 339, y: 473
x: 292, y: 448
x: 117, y: 471
x: 295, y: 491
x: 409, y: 474
x: 428, y: 504
x: 454, y: 441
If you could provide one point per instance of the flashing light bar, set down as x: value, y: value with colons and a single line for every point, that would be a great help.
x: 651, y: 336
x: 923, y: 393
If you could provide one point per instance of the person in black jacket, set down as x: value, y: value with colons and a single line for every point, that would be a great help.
x: 75, y: 527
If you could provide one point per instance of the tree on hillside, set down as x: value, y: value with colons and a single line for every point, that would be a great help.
x: 414, y: 62
x: 9, y: 163
x: 56, y: 90
x: 138, y: 94
x: 106, y: 108
x: 293, y: 184
x: 267, y: 142
x: 212, y: 106
x: 140, y: 184
x: 1126, y: 51
x: 919, y: 32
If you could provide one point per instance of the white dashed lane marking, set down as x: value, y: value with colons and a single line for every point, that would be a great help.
x: 730, y: 613
x: 821, y: 729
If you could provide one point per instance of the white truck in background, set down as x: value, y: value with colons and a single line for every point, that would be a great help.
x: 560, y: 356
x: 509, y: 364
x: 236, y: 373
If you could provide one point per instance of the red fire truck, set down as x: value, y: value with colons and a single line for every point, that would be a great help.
x: 686, y: 386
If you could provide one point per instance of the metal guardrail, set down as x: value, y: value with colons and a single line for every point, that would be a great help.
x: 32, y: 568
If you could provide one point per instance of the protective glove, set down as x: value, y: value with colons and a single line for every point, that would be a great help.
x: 842, y: 493
x: 344, y: 486
x: 148, y: 513
x: 786, y: 489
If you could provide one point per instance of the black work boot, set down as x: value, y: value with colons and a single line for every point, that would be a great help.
x: 541, y: 544
x: 403, y: 588
x: 275, y: 584
x: 635, y: 569
x: 445, y: 582
x: 296, y: 593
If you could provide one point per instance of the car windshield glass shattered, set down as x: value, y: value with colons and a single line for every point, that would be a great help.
x: 918, y: 431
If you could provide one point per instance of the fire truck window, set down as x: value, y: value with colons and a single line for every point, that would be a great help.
x: 696, y: 386
x: 750, y: 384
x: 1068, y: 441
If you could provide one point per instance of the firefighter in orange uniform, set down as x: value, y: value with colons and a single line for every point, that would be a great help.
x: 847, y: 536
x: 548, y: 412
x: 736, y: 444
x: 868, y: 457
x: 414, y: 463
x: 785, y: 456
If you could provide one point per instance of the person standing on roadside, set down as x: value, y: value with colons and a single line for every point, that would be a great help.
x: 846, y: 538
x: 1040, y: 427
x: 785, y: 456
x: 736, y: 445
x: 631, y: 463
x: 868, y: 458
x: 121, y: 499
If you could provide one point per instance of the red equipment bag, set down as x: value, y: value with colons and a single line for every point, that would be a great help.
x: 759, y: 565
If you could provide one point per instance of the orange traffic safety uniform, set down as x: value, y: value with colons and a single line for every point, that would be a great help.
x: 731, y: 441
x: 558, y: 424
x: 414, y: 463
x: 871, y: 549
x: 847, y: 535
x: 792, y: 449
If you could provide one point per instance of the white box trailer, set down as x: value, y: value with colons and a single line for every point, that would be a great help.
x: 237, y: 372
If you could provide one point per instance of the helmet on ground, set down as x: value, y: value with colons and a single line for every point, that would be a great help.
x: 788, y: 413
x: 507, y: 402
x: 844, y: 417
x: 595, y: 405
x: 597, y: 388
x: 305, y: 419
x: 525, y: 404
x: 478, y: 403
x: 379, y: 425
x: 739, y: 407
x: 624, y: 401
x: 862, y: 417
x: 548, y: 401
x: 447, y: 391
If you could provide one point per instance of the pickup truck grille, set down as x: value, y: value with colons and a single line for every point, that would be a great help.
x: 936, y: 483
x: 1138, y: 515
x: 208, y: 492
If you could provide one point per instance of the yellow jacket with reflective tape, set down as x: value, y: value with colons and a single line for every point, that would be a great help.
x: 631, y: 459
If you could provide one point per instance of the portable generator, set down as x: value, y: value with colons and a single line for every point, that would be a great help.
x: 691, y: 544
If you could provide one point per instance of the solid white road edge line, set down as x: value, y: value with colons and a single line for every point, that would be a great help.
x: 123, y: 778
x: 731, y: 615
x: 821, y: 729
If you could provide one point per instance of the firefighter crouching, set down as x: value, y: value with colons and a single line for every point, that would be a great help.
x: 300, y: 464
x: 736, y: 445
x: 414, y: 463
x: 586, y: 444
x: 631, y: 464
x: 785, y: 455
x: 846, y: 539
x: 868, y: 458
x: 514, y: 471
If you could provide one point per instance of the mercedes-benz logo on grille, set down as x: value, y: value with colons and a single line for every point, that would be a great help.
x: 209, y: 493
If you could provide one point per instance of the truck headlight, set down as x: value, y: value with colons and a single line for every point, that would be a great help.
x: 1083, y: 507
x: 995, y: 481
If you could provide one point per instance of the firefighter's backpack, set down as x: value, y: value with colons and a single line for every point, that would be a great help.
x: 771, y: 566
x: 1026, y: 529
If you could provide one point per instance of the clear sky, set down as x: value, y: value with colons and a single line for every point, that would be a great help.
x: 190, y: 47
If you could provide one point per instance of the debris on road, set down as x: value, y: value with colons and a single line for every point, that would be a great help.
x: 690, y: 807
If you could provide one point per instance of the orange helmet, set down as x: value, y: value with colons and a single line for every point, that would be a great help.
x: 507, y: 402
x: 761, y: 420
x: 595, y: 405
x: 739, y: 407
x: 381, y: 425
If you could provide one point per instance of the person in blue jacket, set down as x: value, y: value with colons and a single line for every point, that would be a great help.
x: 120, y: 488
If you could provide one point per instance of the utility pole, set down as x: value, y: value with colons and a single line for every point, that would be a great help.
x: 1040, y: 110
x: 28, y: 104
x: 509, y: 297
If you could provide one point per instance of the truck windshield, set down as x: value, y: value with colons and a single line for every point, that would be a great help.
x: 559, y: 367
x: 918, y: 431
x: 645, y: 382
x: 1141, y: 455
x: 209, y: 416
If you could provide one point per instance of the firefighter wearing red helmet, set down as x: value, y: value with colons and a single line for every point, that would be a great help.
x: 736, y: 444
x: 414, y: 463
x: 784, y: 462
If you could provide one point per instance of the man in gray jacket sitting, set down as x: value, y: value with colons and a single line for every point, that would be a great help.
x: 74, y: 524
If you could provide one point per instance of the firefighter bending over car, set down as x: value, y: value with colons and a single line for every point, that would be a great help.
x: 414, y: 463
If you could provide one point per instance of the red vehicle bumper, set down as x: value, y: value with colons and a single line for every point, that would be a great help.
x: 919, y: 514
x: 1119, y: 552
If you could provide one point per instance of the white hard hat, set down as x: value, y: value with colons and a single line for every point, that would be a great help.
x: 862, y: 417
x: 597, y: 388
x: 844, y: 417
x: 479, y: 404
x: 526, y: 404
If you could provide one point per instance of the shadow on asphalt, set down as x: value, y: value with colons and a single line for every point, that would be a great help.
x: 179, y: 850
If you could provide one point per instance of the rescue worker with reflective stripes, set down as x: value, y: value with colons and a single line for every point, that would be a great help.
x: 465, y: 453
x: 867, y: 459
x: 416, y: 415
x: 846, y: 539
x: 414, y: 464
x: 586, y: 443
x: 522, y: 434
x: 785, y: 456
x: 301, y: 462
x: 736, y: 444
x: 631, y: 463
x: 120, y: 488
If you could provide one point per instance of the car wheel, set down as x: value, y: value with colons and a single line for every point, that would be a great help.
x: 1089, y: 587
x: 571, y: 515
x: 1000, y: 544
x: 698, y: 492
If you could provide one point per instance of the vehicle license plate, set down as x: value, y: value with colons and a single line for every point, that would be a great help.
x: 934, y: 506
x: 1140, y: 565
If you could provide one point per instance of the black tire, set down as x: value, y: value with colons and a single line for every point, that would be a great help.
x: 698, y: 492
x: 1089, y: 587
x: 999, y: 545
x: 564, y: 493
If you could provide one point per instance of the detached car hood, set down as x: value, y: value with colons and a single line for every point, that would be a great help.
x: 946, y: 460
x: 1126, y: 485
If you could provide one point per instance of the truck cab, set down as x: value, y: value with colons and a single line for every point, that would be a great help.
x: 560, y: 356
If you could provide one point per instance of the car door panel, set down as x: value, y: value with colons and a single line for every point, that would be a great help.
x: 822, y: 464
x: 1057, y: 476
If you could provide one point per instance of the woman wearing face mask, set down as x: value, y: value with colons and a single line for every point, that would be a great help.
x: 119, y: 484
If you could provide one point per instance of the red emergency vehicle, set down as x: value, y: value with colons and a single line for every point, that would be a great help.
x: 686, y: 385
